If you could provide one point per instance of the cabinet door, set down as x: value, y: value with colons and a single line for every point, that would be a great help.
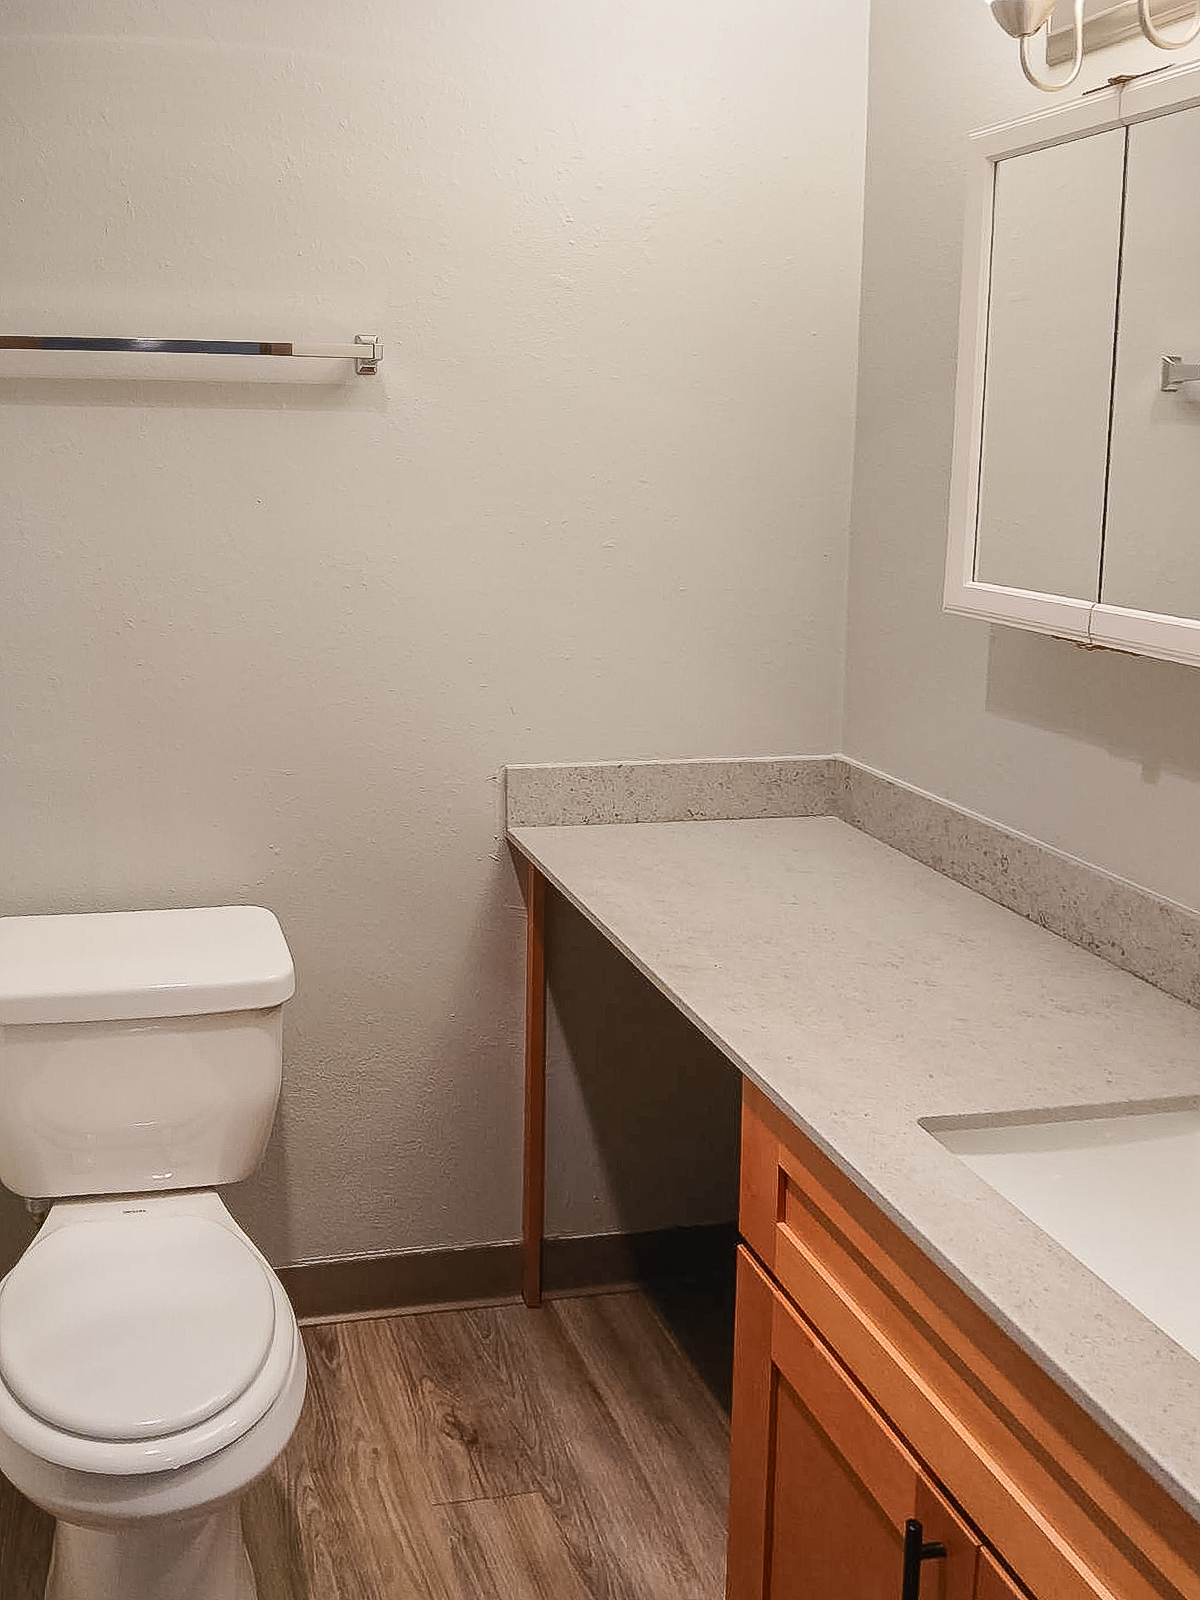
x: 821, y: 1487
x: 1152, y: 533
x: 1051, y: 318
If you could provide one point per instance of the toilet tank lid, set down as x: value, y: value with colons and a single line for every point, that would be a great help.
x: 119, y: 965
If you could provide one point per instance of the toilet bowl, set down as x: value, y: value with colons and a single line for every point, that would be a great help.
x: 151, y: 1368
x: 150, y: 1371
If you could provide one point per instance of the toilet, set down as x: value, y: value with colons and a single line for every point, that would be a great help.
x: 150, y: 1364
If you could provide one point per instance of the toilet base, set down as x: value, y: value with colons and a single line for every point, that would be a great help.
x: 198, y: 1558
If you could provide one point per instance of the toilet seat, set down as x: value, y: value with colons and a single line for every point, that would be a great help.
x: 140, y: 1336
x: 134, y: 1327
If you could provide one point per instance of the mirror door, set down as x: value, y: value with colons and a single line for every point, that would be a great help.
x: 1056, y: 246
x: 1152, y: 535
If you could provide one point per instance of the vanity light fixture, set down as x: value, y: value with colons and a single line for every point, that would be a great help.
x: 1155, y: 34
x: 1023, y: 19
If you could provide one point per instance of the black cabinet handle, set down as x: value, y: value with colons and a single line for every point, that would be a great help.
x: 915, y: 1552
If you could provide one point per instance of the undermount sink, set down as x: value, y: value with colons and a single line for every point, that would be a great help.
x: 1118, y: 1186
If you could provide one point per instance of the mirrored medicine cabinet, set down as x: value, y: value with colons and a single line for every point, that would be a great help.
x: 1075, y: 494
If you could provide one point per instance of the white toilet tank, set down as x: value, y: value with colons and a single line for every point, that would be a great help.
x: 139, y: 1050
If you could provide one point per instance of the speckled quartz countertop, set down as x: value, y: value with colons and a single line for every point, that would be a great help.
x: 862, y: 991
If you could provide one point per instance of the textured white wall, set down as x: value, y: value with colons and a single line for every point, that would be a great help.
x: 1097, y: 754
x: 272, y: 641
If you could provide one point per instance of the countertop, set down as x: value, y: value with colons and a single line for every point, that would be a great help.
x: 861, y: 992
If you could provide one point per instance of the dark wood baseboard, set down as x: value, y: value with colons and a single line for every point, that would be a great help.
x: 367, y: 1286
x: 610, y: 1260
x: 364, y: 1286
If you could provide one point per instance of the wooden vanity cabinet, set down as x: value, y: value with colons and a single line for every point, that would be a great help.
x: 869, y: 1389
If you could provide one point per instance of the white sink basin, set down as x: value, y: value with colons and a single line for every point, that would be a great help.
x: 1117, y: 1186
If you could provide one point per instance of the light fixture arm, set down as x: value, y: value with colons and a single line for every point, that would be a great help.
x: 1051, y: 86
x: 1156, y: 36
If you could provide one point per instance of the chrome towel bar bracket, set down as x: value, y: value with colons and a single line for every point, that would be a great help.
x: 1176, y: 371
x: 366, y: 352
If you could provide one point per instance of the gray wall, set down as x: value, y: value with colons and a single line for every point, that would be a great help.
x: 272, y: 640
x: 641, y: 1110
x: 1098, y: 754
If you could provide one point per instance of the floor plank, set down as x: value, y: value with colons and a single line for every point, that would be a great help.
x: 609, y: 1504
x: 25, y: 1537
x: 667, y: 1419
x: 342, y: 1512
x: 466, y: 1414
x: 502, y: 1548
x: 570, y: 1452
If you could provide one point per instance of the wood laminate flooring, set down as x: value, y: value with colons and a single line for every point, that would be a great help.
x: 571, y: 1453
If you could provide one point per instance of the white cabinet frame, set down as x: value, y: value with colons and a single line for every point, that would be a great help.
x: 1086, y: 621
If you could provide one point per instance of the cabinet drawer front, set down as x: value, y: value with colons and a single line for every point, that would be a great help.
x: 1070, y: 1511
